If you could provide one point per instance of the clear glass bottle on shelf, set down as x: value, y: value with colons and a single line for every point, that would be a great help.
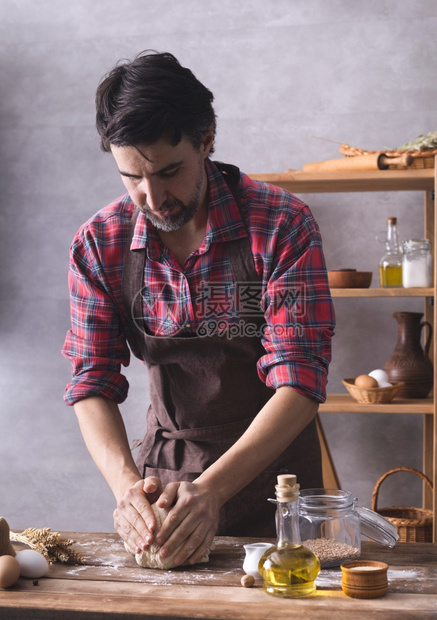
x: 288, y: 569
x: 390, y: 265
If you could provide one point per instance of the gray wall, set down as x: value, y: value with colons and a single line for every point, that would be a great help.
x: 283, y: 72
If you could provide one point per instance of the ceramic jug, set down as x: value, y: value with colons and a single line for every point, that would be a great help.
x: 254, y: 551
x: 409, y: 362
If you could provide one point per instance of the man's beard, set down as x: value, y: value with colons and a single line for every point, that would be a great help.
x: 186, y: 212
x: 173, y: 221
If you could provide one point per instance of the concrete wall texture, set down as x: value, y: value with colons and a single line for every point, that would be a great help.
x: 285, y: 74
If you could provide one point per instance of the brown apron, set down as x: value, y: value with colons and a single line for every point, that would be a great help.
x: 204, y: 393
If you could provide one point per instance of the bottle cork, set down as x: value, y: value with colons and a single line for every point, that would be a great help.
x: 287, y: 489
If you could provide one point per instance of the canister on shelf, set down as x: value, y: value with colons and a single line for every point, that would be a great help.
x: 416, y: 263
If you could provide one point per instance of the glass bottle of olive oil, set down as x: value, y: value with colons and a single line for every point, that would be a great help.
x: 288, y: 569
x: 390, y: 265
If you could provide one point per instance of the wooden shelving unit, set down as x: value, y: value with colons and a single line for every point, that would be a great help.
x: 424, y: 180
x: 343, y: 403
x: 382, y: 292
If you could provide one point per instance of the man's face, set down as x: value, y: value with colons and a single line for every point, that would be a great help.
x: 167, y: 183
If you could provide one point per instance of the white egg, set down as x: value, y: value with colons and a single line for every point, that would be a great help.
x: 32, y: 564
x: 380, y: 375
x: 385, y: 384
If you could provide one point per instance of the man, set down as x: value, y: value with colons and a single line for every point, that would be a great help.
x: 219, y: 285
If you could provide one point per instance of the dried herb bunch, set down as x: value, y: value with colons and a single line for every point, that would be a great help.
x: 50, y: 544
x: 421, y: 143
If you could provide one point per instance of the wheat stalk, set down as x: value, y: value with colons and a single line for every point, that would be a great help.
x: 50, y: 544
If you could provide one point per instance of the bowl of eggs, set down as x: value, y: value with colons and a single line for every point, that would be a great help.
x: 373, y: 388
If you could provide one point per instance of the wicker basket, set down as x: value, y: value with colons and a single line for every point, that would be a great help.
x: 421, y: 159
x: 372, y: 396
x: 414, y: 524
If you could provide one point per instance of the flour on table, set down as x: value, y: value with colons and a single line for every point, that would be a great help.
x: 150, y: 558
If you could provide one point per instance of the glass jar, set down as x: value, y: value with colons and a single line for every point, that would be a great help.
x: 332, y: 524
x: 416, y: 263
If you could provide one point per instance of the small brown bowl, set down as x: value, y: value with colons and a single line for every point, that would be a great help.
x: 364, y: 578
x: 349, y: 278
x: 374, y: 395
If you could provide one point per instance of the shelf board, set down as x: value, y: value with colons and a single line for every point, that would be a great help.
x: 357, y: 181
x: 343, y: 403
x: 383, y: 292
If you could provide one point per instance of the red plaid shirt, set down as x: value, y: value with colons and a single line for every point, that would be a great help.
x: 202, y: 298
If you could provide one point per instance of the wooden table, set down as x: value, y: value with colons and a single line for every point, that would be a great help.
x: 111, y: 585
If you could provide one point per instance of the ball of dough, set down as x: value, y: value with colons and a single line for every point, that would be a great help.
x: 150, y: 558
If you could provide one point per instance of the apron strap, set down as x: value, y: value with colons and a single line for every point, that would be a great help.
x: 132, y: 284
x: 209, y: 433
x: 243, y: 266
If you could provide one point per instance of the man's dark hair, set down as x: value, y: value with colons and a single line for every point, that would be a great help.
x: 150, y: 97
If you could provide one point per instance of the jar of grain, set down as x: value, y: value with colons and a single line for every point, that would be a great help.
x: 332, y: 525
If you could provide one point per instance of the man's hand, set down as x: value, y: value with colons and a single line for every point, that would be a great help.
x: 192, y: 521
x: 133, y: 518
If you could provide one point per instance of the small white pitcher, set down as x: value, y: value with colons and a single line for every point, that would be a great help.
x: 254, y: 552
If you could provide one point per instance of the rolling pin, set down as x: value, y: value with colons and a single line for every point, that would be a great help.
x: 372, y: 161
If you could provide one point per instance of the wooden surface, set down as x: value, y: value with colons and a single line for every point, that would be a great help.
x: 112, y: 585
x: 330, y: 476
x: 382, y: 292
x: 344, y: 403
x: 377, y: 181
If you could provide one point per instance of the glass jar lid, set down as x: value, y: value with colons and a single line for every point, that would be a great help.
x: 416, y: 245
x: 377, y: 528
x: 321, y: 499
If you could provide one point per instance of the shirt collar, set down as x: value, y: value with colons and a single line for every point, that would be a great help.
x: 224, y: 218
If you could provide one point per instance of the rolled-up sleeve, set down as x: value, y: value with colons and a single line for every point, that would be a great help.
x: 298, y: 308
x: 95, y: 344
